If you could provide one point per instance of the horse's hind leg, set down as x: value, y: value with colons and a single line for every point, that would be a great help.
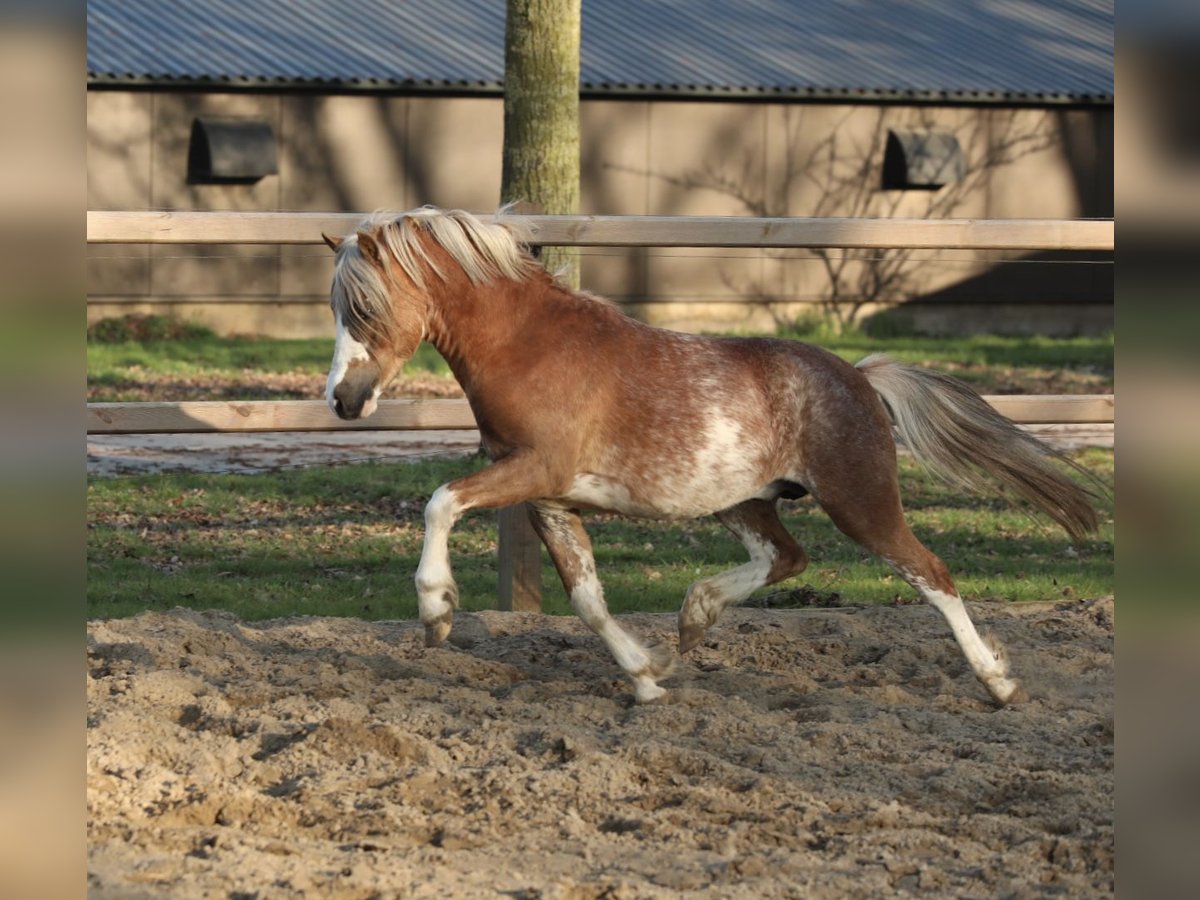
x: 562, y: 532
x: 774, y: 556
x: 877, y: 523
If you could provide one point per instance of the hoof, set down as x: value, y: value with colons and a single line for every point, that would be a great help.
x: 1006, y: 690
x: 646, y: 691
x: 438, y: 630
x: 690, y: 636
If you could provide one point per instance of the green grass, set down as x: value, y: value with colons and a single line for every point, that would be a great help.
x: 981, y: 350
x: 197, y: 355
x: 976, y: 358
x: 985, y: 361
x: 346, y: 541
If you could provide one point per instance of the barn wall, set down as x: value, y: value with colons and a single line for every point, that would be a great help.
x: 639, y: 157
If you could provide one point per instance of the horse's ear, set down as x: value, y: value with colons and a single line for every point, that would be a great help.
x: 369, y: 248
x: 332, y: 242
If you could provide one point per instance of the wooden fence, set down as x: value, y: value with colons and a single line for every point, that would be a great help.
x: 214, y: 416
x: 631, y: 231
x: 520, y: 566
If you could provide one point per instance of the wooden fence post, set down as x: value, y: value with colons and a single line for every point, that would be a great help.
x: 520, y: 549
x: 520, y: 565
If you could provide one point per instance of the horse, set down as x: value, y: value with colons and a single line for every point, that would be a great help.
x: 581, y: 407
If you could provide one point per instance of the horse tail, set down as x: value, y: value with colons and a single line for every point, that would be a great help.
x: 957, y: 435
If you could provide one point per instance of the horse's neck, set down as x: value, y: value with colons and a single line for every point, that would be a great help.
x: 477, y: 328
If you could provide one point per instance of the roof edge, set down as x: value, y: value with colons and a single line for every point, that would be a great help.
x: 599, y: 91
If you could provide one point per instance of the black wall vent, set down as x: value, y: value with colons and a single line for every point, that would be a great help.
x: 231, y: 151
x: 924, y: 159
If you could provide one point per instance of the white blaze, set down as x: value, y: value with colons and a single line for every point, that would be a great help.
x: 345, y: 350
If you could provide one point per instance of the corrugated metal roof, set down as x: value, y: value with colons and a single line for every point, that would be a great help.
x: 958, y: 50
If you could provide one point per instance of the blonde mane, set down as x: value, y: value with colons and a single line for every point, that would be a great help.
x: 485, y: 250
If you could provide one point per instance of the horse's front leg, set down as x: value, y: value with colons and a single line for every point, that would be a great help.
x: 508, y: 481
x: 561, y: 530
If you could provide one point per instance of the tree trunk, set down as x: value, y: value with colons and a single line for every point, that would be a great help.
x: 541, y: 167
x: 541, y: 114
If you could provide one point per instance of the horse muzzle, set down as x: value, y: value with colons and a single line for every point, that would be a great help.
x: 356, y: 395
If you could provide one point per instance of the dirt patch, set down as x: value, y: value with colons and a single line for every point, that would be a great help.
x: 815, y: 752
x: 998, y: 379
x: 142, y: 454
x: 142, y: 385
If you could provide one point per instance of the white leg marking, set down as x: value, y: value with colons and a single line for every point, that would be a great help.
x: 587, y: 599
x: 989, y: 663
x: 345, y: 350
x: 434, y: 579
x: 708, y: 597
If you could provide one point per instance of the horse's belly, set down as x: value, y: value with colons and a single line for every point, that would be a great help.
x: 684, y: 472
x: 663, y: 499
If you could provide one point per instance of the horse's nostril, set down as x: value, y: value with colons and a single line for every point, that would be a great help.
x: 337, y: 406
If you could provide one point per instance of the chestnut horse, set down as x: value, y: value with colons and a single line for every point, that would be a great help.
x: 581, y: 407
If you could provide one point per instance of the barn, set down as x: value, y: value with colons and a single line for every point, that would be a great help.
x: 772, y: 108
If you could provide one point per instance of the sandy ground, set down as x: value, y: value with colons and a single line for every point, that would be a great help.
x: 843, y: 752
x: 814, y: 752
x: 142, y: 454
x: 139, y: 454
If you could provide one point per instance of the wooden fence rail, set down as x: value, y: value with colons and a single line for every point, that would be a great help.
x: 630, y: 231
x: 219, y: 416
x: 519, y: 562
